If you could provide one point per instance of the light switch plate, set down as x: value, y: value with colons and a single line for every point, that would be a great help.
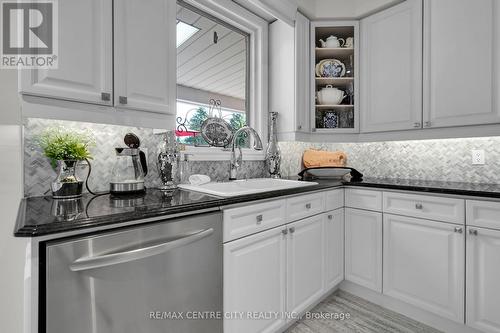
x: 478, y: 157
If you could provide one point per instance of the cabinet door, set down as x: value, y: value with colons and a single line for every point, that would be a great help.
x: 424, y: 264
x: 303, y: 73
x: 391, y: 69
x: 145, y: 55
x: 483, y: 274
x: 84, y: 72
x: 363, y: 248
x: 254, y: 280
x: 334, y: 248
x: 461, y: 82
x: 305, y: 263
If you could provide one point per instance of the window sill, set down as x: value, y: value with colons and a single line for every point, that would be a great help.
x: 218, y: 154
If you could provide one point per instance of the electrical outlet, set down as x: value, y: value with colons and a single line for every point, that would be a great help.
x: 478, y: 157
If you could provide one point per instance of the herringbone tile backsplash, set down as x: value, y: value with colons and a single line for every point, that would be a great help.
x: 444, y: 159
x: 38, y: 173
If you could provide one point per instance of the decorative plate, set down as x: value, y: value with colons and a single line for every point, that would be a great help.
x: 330, y: 68
x: 217, y: 132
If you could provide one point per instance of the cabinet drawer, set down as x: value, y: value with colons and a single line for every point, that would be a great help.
x: 483, y: 214
x: 363, y: 199
x: 242, y: 221
x: 305, y: 205
x: 424, y: 206
x: 334, y: 199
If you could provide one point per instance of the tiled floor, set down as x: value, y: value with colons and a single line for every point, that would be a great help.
x: 364, y: 317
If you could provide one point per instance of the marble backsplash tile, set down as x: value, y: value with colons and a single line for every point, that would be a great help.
x: 38, y: 173
x: 444, y: 159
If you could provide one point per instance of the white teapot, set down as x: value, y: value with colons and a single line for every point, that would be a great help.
x: 330, y: 96
x: 332, y: 42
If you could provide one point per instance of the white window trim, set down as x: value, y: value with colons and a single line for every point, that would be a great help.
x: 257, y: 28
x: 219, y: 154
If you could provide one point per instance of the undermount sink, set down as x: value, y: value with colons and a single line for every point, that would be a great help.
x: 243, y: 187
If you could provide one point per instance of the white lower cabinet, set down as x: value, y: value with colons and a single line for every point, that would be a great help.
x: 435, y: 266
x: 483, y: 276
x: 334, y: 248
x: 424, y: 264
x: 305, y: 278
x: 255, y: 280
x: 363, y: 248
x: 282, y: 271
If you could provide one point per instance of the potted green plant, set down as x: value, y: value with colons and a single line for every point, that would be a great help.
x: 65, y: 148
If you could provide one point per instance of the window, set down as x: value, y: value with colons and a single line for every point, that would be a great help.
x: 184, y: 32
x: 212, y: 63
x: 191, y: 115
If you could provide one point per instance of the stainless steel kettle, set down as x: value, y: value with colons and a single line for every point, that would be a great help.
x: 130, y: 168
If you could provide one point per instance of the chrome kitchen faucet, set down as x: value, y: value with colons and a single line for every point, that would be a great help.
x: 236, y: 162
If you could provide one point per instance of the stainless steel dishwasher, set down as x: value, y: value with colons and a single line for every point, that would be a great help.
x: 164, y: 277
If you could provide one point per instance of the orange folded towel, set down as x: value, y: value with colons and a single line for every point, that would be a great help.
x: 320, y: 158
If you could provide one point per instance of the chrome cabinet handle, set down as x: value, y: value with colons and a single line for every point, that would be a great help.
x: 292, y: 230
x: 105, y: 96
x: 122, y: 100
x: 284, y: 231
x: 427, y: 124
x: 330, y: 217
x: 473, y: 232
x: 308, y: 206
x: 86, y: 263
x: 417, y: 125
x: 259, y: 219
x: 419, y: 206
x: 299, y: 127
x: 459, y: 230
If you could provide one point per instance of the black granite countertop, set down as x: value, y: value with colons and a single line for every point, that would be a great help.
x: 456, y: 188
x: 40, y: 216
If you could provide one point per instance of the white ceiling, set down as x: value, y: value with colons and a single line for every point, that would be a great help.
x: 201, y: 64
x: 342, y: 9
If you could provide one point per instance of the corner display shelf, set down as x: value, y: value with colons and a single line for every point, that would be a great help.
x: 346, y: 114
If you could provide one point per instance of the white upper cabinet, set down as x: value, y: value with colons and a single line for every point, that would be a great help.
x: 461, y: 60
x: 302, y: 98
x: 144, y: 56
x: 85, y: 72
x: 483, y: 274
x: 289, y: 74
x: 391, y: 69
x: 145, y: 53
x: 424, y: 264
